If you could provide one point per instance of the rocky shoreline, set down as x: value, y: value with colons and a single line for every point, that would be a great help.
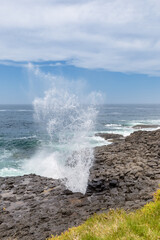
x: 124, y: 175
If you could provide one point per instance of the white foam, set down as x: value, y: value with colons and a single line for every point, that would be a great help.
x: 123, y: 132
x: 113, y: 125
x: 5, y: 154
x: 144, y: 122
x: 23, y: 138
x: 9, y: 172
x: 98, y: 141
x: 127, y: 129
x: 45, y: 164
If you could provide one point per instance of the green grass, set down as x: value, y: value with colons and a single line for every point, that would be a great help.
x: 143, y: 224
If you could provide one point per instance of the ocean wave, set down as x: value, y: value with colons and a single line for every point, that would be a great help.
x: 143, y: 122
x: 16, y: 110
x: 24, y: 143
x: 24, y: 138
x: 126, y: 128
x: 23, y: 110
x: 9, y: 172
x: 113, y: 125
x: 5, y: 154
x: 115, y: 113
x: 98, y: 141
x: 123, y: 131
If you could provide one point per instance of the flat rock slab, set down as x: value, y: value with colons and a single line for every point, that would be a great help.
x: 143, y: 126
x: 111, y: 137
x: 124, y: 175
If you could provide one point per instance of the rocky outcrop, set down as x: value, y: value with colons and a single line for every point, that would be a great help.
x: 112, y: 137
x: 143, y: 126
x: 124, y: 174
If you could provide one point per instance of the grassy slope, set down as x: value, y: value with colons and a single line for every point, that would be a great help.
x: 119, y: 225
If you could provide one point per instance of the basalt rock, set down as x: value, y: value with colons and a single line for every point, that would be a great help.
x: 107, y: 136
x: 113, y: 183
x: 96, y: 185
x: 123, y: 175
x: 144, y: 126
x: 111, y: 137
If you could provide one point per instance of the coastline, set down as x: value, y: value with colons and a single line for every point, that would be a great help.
x: 124, y: 175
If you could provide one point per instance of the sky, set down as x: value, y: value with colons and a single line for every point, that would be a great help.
x: 111, y: 45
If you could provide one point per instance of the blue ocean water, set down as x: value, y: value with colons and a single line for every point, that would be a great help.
x: 21, y: 136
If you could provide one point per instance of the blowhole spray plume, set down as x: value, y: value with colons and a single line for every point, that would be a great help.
x: 67, y: 124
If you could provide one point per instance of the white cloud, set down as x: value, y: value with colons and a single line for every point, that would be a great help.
x: 117, y: 35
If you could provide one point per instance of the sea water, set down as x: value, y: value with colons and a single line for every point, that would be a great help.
x: 55, y: 136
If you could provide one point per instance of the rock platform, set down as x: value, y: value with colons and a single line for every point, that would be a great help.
x: 124, y: 175
x: 144, y: 126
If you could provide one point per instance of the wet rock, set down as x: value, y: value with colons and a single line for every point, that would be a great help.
x: 96, y: 185
x: 67, y: 192
x: 111, y: 136
x: 124, y: 174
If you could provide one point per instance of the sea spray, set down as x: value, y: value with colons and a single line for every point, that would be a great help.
x: 67, y: 122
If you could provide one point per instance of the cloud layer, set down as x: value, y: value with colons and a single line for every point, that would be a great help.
x: 116, y: 35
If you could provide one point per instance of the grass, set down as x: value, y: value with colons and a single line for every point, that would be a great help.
x: 143, y: 224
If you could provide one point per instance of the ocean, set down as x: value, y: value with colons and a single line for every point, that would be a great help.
x: 27, y: 146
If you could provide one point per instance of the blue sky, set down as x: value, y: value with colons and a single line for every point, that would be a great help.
x: 117, y: 87
x: 113, y: 46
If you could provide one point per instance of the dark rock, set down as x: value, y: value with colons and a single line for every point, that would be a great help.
x: 113, y: 183
x: 67, y: 192
x: 124, y: 174
x: 66, y: 212
x: 111, y: 137
x: 143, y: 126
x: 96, y: 185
